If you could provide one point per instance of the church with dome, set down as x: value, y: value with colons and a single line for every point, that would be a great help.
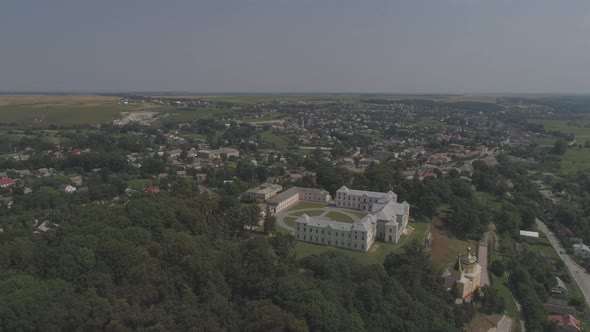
x: 465, y: 275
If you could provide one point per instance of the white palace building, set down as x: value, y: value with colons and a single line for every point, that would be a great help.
x: 386, y: 221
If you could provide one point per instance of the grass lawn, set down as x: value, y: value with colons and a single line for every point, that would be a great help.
x: 138, y: 184
x: 289, y: 220
x: 546, y: 140
x: 500, y: 284
x: 337, y: 216
x: 445, y: 246
x: 272, y: 140
x: 574, y: 160
x: 309, y: 212
x: 359, y: 214
x: 280, y: 229
x: 488, y: 200
x: 307, y: 205
x: 376, y: 254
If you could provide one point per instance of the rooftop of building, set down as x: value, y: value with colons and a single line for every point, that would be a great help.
x: 389, y: 209
x: 292, y: 191
x: 565, y: 321
x: 373, y: 194
x: 361, y: 225
x: 265, y: 188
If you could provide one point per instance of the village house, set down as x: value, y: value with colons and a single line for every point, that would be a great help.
x: 557, y: 287
x: 217, y: 154
x: 152, y: 189
x: 566, y: 323
x: 67, y: 188
x: 6, y: 182
x: 581, y: 250
x: 76, y: 180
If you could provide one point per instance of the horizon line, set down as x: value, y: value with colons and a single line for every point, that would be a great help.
x: 189, y: 93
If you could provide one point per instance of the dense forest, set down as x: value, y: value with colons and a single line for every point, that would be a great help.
x: 184, y: 261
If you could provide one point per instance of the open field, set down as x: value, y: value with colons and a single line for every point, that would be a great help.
x: 432, y: 123
x: 545, y: 140
x: 580, y: 128
x: 62, y: 109
x: 574, y: 160
x: 11, y: 99
x: 180, y: 115
x: 339, y: 217
x: 255, y: 98
x: 376, y: 254
x: 275, y: 141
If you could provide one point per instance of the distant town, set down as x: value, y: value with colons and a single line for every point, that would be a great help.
x: 492, y: 191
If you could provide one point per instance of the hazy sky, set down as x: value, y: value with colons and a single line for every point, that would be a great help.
x: 410, y: 46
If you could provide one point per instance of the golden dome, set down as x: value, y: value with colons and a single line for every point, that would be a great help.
x: 469, y: 258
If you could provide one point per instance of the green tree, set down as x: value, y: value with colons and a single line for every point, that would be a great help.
x: 493, y: 302
x: 497, y: 268
x: 559, y: 147
x: 269, y: 221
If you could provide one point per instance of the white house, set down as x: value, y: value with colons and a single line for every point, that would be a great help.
x: 557, y: 287
x: 67, y: 188
x: 581, y: 250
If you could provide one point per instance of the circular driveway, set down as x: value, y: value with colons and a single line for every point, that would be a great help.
x: 297, y: 213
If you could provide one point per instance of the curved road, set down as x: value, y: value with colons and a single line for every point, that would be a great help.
x: 296, y: 213
x: 578, y: 273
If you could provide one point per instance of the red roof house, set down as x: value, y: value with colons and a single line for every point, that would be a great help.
x: 153, y: 189
x: 427, y: 175
x: 566, y: 322
x: 565, y: 231
x: 6, y: 182
x: 76, y: 151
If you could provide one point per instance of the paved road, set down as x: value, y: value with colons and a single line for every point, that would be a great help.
x: 578, y: 273
x: 482, y: 258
